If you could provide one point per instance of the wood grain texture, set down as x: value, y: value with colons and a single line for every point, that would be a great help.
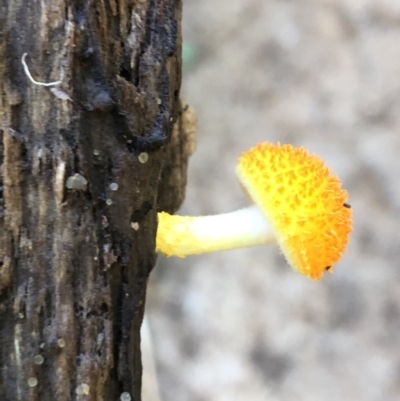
x: 73, y: 272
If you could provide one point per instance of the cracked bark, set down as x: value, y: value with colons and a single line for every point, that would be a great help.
x: 73, y: 267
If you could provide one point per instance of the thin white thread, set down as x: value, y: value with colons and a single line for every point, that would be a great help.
x: 28, y: 74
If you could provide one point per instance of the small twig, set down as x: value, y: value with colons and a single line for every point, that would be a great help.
x: 28, y: 74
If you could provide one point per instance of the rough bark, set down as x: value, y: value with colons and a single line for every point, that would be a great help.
x: 81, y: 166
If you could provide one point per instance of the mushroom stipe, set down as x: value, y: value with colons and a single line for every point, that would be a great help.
x: 297, y: 203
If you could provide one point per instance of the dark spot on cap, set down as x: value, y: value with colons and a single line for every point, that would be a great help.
x: 347, y: 205
x: 327, y: 268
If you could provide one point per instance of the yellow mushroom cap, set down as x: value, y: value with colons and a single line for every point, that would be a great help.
x: 303, y: 202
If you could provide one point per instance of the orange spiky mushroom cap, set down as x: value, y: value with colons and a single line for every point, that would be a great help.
x: 303, y: 202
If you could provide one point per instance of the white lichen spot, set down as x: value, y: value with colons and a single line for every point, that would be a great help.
x: 60, y: 94
x: 125, y: 396
x: 17, y: 345
x: 38, y: 359
x: 42, y: 345
x: 114, y: 186
x: 32, y: 382
x: 77, y: 181
x: 96, y: 152
x: 171, y: 119
x: 59, y: 180
x: 135, y: 225
x: 86, y: 389
x: 61, y: 342
x: 143, y: 157
x: 109, y: 202
x: 159, y: 101
x: 21, y: 315
x: 83, y: 389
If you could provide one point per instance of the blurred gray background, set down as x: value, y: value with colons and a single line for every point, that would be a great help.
x: 240, y: 325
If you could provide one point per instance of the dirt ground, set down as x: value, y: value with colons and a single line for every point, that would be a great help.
x: 241, y: 325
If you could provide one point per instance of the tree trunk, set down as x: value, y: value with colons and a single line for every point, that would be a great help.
x: 81, y: 166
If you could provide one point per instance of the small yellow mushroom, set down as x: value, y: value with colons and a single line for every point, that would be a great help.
x: 298, y: 203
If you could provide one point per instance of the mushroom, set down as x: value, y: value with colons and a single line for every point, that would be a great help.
x: 297, y: 203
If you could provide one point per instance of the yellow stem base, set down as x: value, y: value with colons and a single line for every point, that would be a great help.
x: 183, y: 235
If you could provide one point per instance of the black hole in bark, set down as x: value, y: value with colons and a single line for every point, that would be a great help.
x: 139, y: 214
x: 24, y: 157
x: 126, y: 74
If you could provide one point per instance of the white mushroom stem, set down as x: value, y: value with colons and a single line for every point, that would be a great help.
x: 184, y: 235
